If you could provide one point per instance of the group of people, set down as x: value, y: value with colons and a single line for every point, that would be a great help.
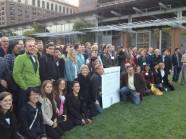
x: 47, y: 89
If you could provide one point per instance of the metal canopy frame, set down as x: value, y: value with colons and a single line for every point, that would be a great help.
x: 59, y: 34
x: 127, y: 27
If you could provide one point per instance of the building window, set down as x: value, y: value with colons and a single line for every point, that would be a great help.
x: 48, y: 5
x: 56, y: 7
x: 52, y: 6
x: 64, y: 10
x: 67, y: 11
x: 59, y: 8
x: 38, y: 3
x: 43, y: 4
x: 143, y: 39
x: 34, y: 2
x: 70, y: 11
x: 11, y: 8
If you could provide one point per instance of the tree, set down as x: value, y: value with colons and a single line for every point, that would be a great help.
x: 82, y: 26
x: 36, y: 28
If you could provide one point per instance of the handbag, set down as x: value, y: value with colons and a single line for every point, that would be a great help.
x: 155, y: 90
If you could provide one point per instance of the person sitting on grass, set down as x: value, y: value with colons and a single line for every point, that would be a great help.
x: 163, y: 75
x: 8, y: 122
x: 149, y: 79
x: 30, y: 116
x: 74, y: 109
x: 60, y: 97
x: 132, y: 85
x: 49, y: 110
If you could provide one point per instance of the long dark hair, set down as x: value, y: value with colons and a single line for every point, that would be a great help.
x: 2, y: 96
x: 56, y: 87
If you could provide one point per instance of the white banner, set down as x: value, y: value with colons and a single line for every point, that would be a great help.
x: 110, y: 86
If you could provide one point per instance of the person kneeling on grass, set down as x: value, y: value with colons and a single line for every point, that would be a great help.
x: 132, y: 85
x: 74, y: 109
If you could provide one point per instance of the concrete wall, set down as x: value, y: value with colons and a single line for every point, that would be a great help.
x: 87, y: 5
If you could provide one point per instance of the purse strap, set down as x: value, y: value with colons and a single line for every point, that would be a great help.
x: 31, y: 125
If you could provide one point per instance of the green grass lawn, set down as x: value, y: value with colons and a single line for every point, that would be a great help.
x: 162, y: 117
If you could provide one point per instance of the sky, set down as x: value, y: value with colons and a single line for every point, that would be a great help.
x: 74, y: 2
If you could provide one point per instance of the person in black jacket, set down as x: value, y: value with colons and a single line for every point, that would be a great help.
x: 48, y: 68
x: 74, y: 109
x: 157, y: 78
x: 96, y: 87
x: 148, y: 76
x: 166, y: 59
x: 176, y: 61
x: 8, y: 124
x: 93, y: 62
x: 4, y: 44
x: 157, y: 58
x: 60, y: 97
x: 31, y: 118
x: 142, y: 60
x: 3, y: 75
x: 164, y: 78
x: 85, y: 90
x: 122, y: 55
x: 60, y: 63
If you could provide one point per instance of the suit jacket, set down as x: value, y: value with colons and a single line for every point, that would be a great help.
x: 8, y: 131
x: 61, y: 68
x: 95, y: 86
x: 2, y: 52
x: 157, y: 78
x: 157, y: 60
x: 175, y: 61
x: 141, y: 60
x: 168, y: 63
x: 163, y: 78
x: 48, y: 68
x: 3, y: 73
x: 139, y: 82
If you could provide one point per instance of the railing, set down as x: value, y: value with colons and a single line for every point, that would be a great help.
x: 105, y: 3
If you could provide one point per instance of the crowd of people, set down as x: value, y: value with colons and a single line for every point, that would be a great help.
x: 47, y: 89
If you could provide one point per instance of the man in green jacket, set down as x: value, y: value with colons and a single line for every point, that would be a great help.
x: 26, y: 70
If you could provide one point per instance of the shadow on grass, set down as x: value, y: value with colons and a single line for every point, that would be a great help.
x: 157, y: 117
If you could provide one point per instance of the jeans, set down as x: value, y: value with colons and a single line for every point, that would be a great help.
x: 176, y: 73
x: 125, y: 92
x: 99, y: 109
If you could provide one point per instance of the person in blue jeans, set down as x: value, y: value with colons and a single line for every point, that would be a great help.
x: 132, y: 86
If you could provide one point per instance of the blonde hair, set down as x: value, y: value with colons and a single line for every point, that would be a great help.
x: 94, y: 47
x: 69, y: 55
x: 161, y: 65
x: 84, y: 67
